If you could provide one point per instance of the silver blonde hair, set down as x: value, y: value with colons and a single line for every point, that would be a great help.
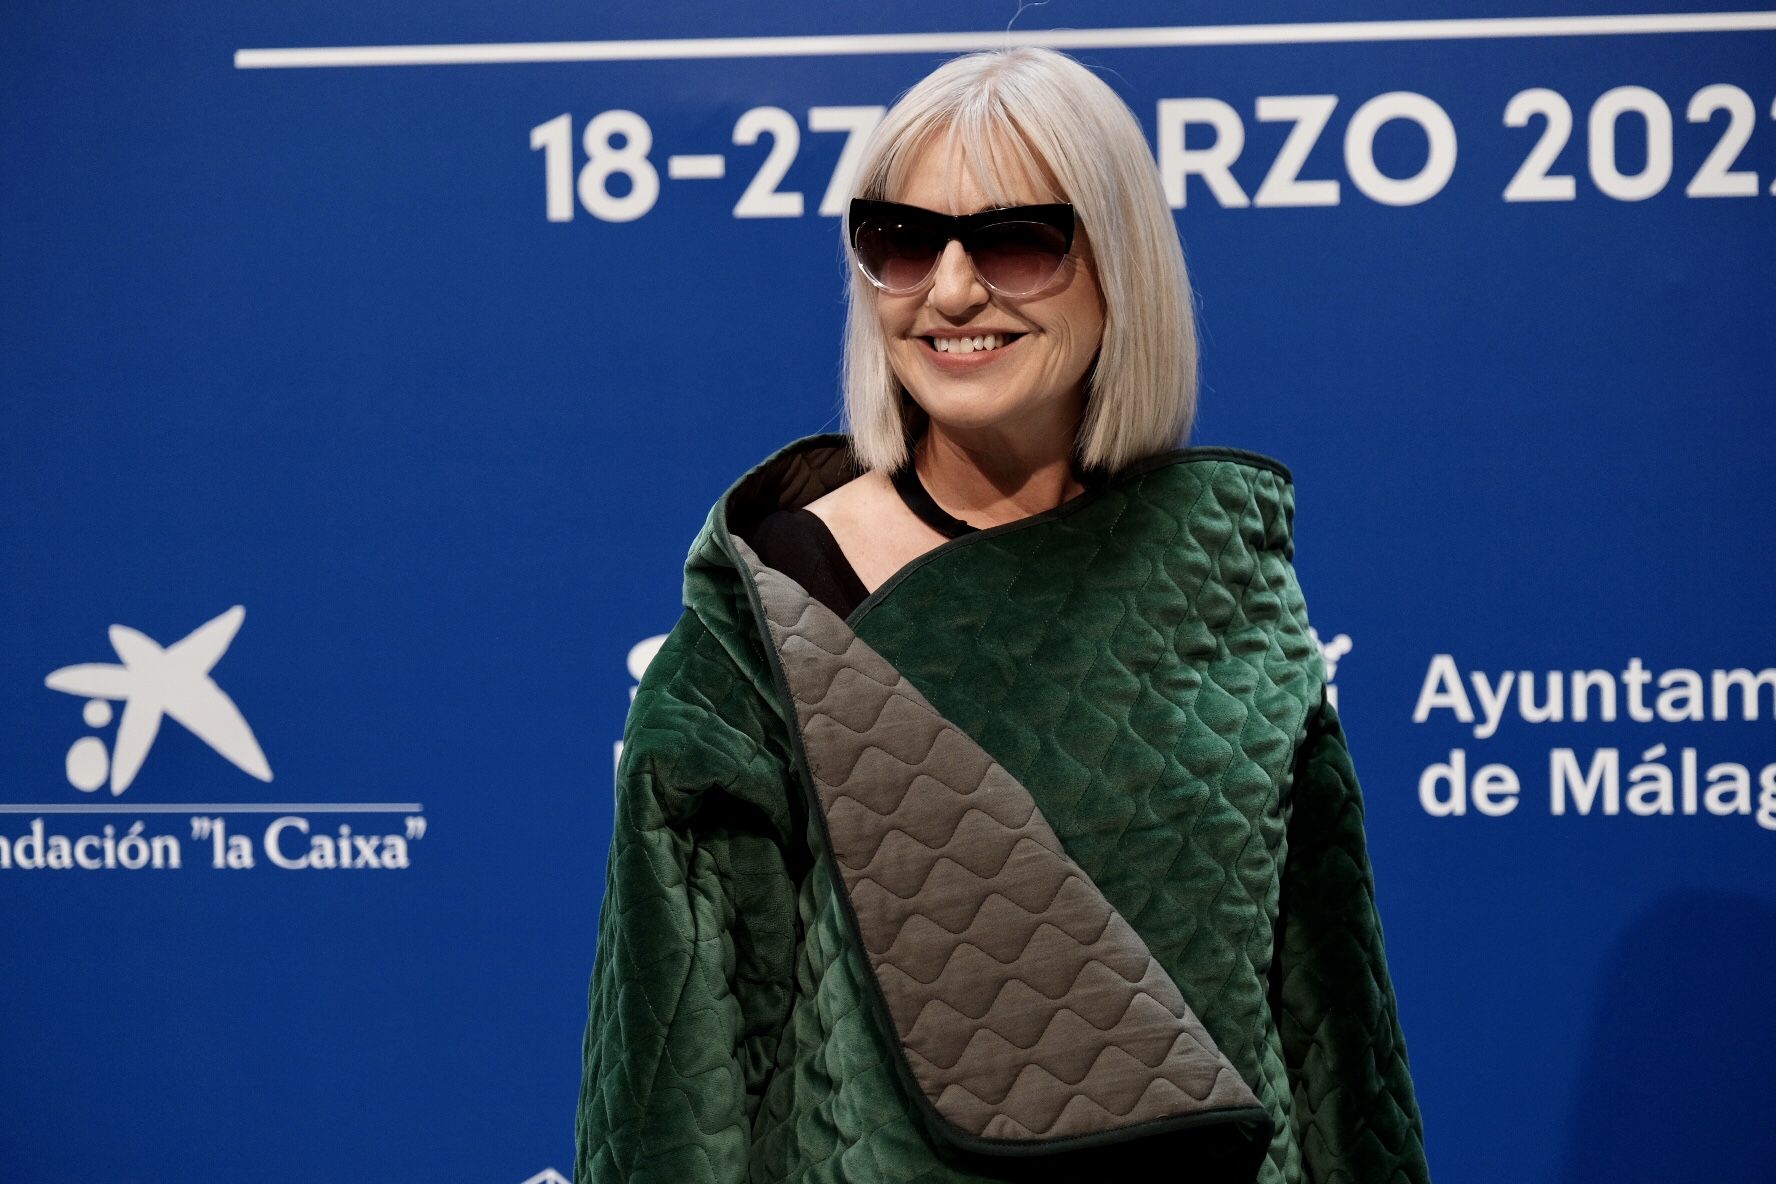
x: 1061, y: 123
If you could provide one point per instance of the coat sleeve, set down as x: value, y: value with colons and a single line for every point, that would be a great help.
x: 691, y: 980
x: 1355, y: 1111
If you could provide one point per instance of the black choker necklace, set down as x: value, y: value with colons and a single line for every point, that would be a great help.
x: 919, y: 501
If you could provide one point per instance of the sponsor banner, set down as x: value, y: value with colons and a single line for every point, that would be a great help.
x: 430, y: 337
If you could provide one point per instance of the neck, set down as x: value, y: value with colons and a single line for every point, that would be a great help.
x: 1003, y: 482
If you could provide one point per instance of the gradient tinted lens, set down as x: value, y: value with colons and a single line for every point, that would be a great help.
x: 1017, y: 258
x: 896, y: 255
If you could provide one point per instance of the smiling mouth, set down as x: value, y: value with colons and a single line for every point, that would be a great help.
x: 971, y: 345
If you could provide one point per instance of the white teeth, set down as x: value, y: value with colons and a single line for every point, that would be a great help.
x: 969, y: 345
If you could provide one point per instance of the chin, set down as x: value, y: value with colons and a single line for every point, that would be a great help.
x: 957, y: 410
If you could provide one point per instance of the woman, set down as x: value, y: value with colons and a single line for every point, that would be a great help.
x: 983, y: 817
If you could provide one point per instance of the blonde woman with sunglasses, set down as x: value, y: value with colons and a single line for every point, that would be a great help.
x: 984, y: 816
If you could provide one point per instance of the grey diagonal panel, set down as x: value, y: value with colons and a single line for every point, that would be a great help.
x: 1028, y: 1007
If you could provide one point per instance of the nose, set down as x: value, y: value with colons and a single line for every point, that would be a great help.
x: 955, y: 289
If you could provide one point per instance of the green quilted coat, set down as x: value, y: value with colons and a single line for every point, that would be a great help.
x: 1048, y: 860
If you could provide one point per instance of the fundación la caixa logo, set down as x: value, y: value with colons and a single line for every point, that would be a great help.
x: 154, y: 683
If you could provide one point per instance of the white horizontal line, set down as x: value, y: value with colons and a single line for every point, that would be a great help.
x: 1165, y: 36
x: 225, y: 808
x: 696, y: 168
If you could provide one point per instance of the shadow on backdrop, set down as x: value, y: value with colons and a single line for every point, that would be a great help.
x: 1679, y: 1067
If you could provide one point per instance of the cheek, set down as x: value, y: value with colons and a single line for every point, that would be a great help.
x: 1084, y: 328
x: 1092, y: 326
x: 895, y: 316
x: 1092, y: 310
x: 1079, y: 316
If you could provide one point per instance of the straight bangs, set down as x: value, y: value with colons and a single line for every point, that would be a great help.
x: 976, y: 138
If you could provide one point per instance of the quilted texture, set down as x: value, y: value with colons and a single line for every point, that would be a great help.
x: 1027, y: 1007
x: 1138, y: 665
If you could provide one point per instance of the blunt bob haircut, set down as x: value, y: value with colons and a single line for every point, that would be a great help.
x: 1062, y: 123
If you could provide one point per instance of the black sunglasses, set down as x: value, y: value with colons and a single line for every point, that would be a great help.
x: 1015, y: 251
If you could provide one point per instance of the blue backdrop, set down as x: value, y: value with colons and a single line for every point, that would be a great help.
x: 433, y: 368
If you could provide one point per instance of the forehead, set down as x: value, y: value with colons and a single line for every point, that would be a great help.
x: 959, y: 173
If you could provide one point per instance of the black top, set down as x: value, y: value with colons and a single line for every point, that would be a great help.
x: 800, y: 545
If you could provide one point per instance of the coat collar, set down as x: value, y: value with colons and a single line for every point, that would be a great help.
x: 811, y: 466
